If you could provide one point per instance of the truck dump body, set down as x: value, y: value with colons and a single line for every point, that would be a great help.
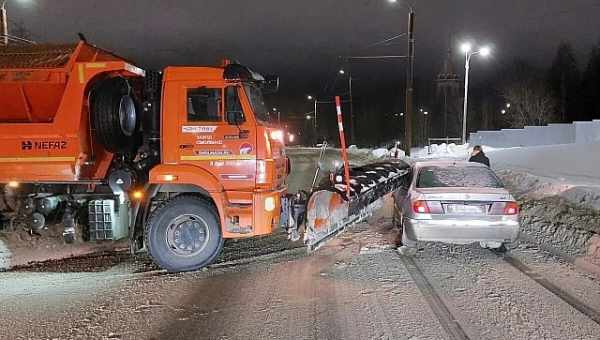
x: 44, y: 114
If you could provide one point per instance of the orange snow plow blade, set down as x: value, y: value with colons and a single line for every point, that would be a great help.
x: 330, y: 211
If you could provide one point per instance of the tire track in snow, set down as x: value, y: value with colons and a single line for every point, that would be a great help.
x: 439, y: 308
x: 554, y: 289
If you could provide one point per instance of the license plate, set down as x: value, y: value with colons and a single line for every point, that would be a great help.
x: 464, y: 209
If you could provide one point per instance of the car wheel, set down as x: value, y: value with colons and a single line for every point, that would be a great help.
x: 184, y: 234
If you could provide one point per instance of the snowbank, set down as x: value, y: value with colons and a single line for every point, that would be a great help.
x: 444, y: 151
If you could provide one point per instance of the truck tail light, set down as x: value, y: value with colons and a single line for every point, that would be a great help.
x: 421, y: 207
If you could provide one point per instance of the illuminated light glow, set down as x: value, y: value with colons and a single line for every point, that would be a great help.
x: 277, y: 135
x: 309, y: 97
x: 485, y: 51
x: 508, y: 105
x: 270, y: 204
x: 168, y: 178
x: 13, y: 184
x: 503, y: 111
x: 291, y: 138
x: 138, y: 194
x: 342, y: 72
x: 466, y: 47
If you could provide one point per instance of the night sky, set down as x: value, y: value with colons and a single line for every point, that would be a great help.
x: 300, y: 40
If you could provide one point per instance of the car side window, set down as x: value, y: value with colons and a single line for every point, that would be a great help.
x: 204, y: 104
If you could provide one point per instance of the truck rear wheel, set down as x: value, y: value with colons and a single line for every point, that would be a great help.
x: 184, y: 234
x: 115, y: 116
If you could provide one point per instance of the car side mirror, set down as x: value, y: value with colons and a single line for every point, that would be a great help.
x: 235, y: 117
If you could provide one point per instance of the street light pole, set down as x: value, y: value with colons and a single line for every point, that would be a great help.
x: 485, y: 51
x: 466, y: 101
x: 3, y: 24
x: 410, y: 65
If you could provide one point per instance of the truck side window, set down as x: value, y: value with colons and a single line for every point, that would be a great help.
x: 232, y: 102
x: 204, y: 104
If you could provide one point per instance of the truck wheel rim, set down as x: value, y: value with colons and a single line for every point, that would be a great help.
x: 127, y: 115
x: 187, y: 235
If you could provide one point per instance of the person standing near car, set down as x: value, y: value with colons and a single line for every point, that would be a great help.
x: 478, y: 156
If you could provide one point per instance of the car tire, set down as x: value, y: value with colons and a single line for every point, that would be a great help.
x: 503, y: 249
x: 115, y: 116
x: 184, y: 234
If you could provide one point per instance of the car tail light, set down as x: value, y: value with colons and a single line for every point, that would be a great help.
x: 504, y: 208
x: 421, y: 207
x: 511, y: 208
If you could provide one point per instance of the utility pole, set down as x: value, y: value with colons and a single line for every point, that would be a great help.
x: 3, y: 24
x: 410, y: 65
x: 352, y: 132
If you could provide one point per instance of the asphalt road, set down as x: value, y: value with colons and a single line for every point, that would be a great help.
x: 357, y: 287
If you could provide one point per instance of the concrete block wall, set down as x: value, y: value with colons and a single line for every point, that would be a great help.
x: 552, y: 134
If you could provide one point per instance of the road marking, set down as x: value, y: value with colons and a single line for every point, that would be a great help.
x: 439, y: 308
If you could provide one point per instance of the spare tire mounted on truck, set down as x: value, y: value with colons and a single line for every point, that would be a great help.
x: 114, y: 115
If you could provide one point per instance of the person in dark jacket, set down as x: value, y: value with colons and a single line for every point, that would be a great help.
x: 478, y: 156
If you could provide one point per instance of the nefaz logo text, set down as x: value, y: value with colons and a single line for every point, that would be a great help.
x: 44, y: 145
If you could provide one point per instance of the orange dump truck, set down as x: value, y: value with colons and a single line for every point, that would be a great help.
x: 175, y: 161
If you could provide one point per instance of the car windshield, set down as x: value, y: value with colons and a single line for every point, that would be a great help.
x: 457, y: 177
x: 257, y: 101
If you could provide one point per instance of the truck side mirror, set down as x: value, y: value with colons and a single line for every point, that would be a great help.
x: 271, y: 84
x: 235, y: 117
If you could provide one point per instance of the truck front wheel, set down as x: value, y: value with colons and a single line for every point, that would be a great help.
x: 184, y: 234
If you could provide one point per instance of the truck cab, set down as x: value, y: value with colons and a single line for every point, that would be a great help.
x: 217, y: 143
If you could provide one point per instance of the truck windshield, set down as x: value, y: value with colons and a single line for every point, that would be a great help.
x: 257, y: 101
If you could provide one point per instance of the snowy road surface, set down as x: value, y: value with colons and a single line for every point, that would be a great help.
x: 354, y: 288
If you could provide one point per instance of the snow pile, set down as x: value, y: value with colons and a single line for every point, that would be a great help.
x: 444, y: 151
x: 380, y: 153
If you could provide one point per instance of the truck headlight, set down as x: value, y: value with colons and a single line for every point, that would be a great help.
x: 270, y: 204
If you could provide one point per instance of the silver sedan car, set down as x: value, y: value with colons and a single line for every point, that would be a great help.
x: 456, y: 202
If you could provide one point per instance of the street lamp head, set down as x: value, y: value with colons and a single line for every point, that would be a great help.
x: 503, y: 111
x: 466, y: 47
x: 342, y: 71
x: 508, y: 105
x: 309, y: 97
x: 485, y: 51
x: 426, y: 113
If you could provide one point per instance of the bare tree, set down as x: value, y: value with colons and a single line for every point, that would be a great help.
x: 531, y: 101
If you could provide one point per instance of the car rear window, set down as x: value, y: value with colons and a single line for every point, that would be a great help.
x: 457, y: 177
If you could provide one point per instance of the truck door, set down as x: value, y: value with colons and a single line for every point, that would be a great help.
x: 206, y: 139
